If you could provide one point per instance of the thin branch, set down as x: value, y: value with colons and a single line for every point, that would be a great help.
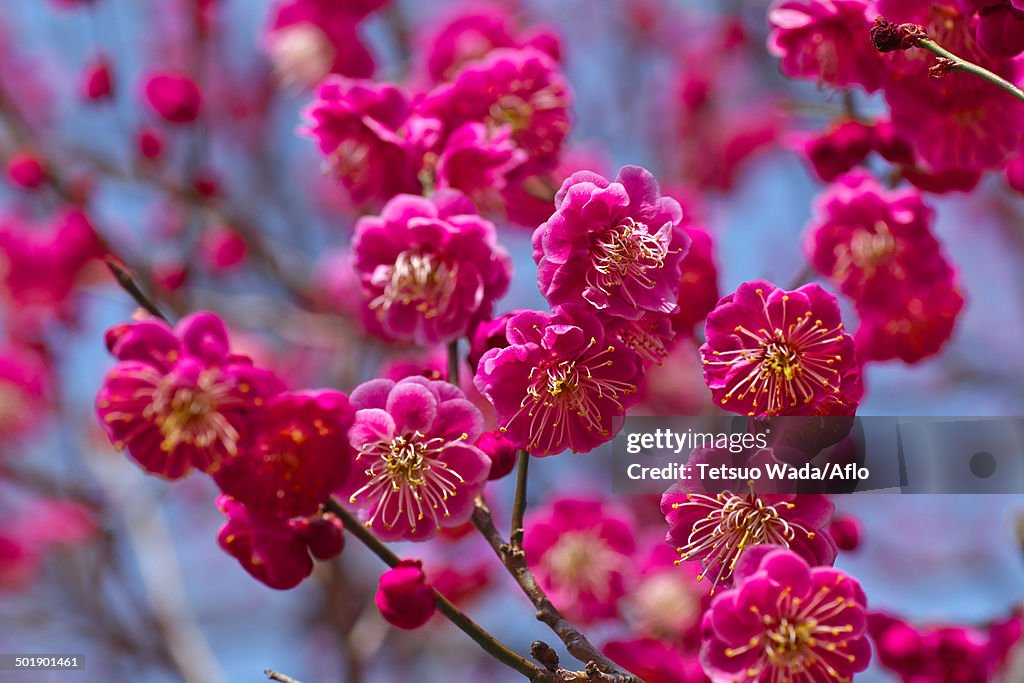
x: 279, y: 677
x: 599, y: 667
x: 453, y: 362
x: 519, y: 501
x: 481, y: 637
x: 130, y: 284
x: 888, y: 37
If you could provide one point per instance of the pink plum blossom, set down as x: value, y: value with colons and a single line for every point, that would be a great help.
x: 579, y: 550
x: 772, y: 352
x: 360, y: 127
x: 179, y: 398
x: 430, y: 267
x: 415, y: 469
x: 786, y: 620
x: 520, y: 88
x: 615, y: 244
x: 560, y: 383
x: 714, y: 530
x: 823, y: 41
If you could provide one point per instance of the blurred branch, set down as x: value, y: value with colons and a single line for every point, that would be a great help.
x: 160, y: 572
x: 281, y: 678
x: 269, y: 255
x: 130, y: 284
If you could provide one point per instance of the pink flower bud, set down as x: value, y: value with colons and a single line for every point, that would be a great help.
x: 846, y: 532
x: 222, y: 249
x: 323, y: 534
x: 150, y: 144
x: 501, y: 451
x: 97, y: 82
x: 404, y: 597
x: 173, y: 96
x: 25, y: 170
x: 170, y: 275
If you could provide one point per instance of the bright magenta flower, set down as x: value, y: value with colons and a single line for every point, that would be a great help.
x: 308, y: 39
x: 714, y: 530
x: 823, y: 41
x: 911, y: 327
x: 431, y: 267
x: 560, y: 383
x: 360, y: 128
x: 579, y: 550
x: 296, y: 455
x: 943, y: 654
x: 786, y: 621
x: 473, y: 33
x: 959, y: 121
x: 874, y: 243
x: 520, y: 88
x: 415, y: 469
x: 773, y: 352
x: 615, y: 244
x: 178, y: 398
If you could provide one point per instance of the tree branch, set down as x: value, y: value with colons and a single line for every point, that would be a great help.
x: 888, y: 37
x: 481, y: 637
x: 519, y: 501
x: 598, y: 667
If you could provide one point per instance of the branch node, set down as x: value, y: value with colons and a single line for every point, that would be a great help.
x: 889, y: 37
x: 942, y: 67
x: 545, y: 655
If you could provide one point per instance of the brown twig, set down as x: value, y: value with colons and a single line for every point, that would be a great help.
x: 887, y: 37
x: 279, y: 677
x: 129, y: 283
x: 598, y: 667
x: 519, y: 501
x: 481, y: 637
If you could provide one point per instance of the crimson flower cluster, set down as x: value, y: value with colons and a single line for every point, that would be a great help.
x: 878, y: 247
x: 499, y: 122
x: 946, y: 132
x: 179, y: 399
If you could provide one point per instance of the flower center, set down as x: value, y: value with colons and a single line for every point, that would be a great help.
x: 581, y: 562
x: 561, y: 390
x: 189, y: 413
x: 665, y: 605
x: 646, y: 339
x: 423, y: 280
x: 802, y: 637
x: 625, y: 252
x: 349, y: 161
x: 733, y: 523
x: 405, y: 460
x: 782, y: 360
x: 406, y: 478
x: 513, y: 111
